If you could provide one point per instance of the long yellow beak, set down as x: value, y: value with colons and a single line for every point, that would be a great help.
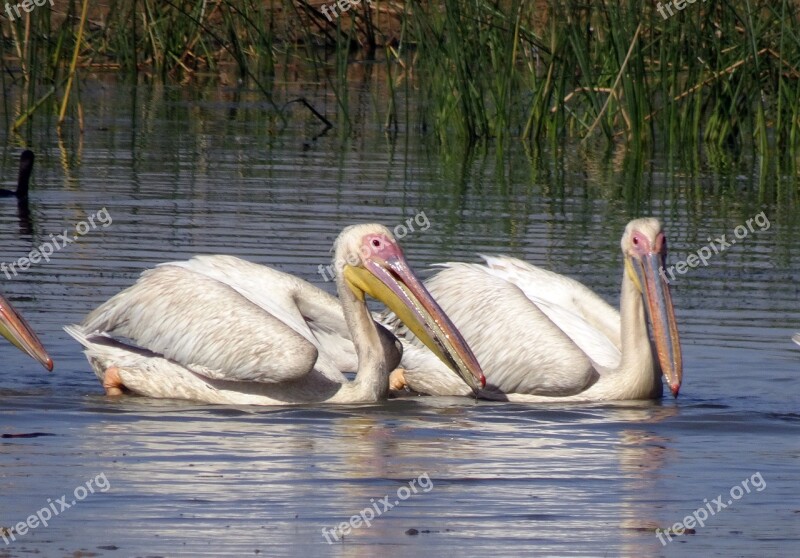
x: 390, y: 280
x: 14, y: 328
x: 661, y: 315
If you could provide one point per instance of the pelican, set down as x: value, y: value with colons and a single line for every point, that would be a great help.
x: 540, y: 336
x: 796, y: 338
x: 14, y: 328
x: 219, y: 329
x: 24, y: 176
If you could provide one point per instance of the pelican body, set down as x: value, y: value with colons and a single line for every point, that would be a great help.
x: 222, y: 330
x: 540, y: 336
x: 14, y: 328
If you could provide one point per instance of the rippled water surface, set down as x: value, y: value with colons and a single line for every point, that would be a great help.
x: 180, y: 176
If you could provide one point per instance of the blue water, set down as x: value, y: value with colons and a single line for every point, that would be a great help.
x: 178, y: 177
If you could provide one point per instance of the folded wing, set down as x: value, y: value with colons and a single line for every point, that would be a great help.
x: 205, y: 326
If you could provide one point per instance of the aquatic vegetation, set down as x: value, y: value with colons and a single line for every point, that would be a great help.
x: 700, y: 82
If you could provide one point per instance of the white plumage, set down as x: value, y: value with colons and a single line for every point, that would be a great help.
x: 540, y: 336
x: 223, y: 330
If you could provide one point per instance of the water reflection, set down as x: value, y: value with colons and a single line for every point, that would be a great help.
x: 24, y: 215
x: 543, y: 477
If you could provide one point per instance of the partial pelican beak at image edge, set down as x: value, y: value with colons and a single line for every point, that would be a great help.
x: 14, y: 328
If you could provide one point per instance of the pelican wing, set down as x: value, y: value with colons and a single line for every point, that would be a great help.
x: 205, y: 326
x: 505, y: 330
x: 150, y: 374
x: 583, y: 316
x: 306, y: 309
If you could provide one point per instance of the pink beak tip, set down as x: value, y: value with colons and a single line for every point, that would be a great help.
x: 675, y: 388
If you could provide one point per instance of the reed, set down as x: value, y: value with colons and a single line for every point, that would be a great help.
x: 714, y: 76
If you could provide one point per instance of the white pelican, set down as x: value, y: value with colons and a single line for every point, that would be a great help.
x: 222, y: 330
x: 23, y: 178
x: 14, y: 328
x: 540, y: 336
x: 796, y: 338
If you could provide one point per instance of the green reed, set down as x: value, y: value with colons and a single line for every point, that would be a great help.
x: 714, y: 77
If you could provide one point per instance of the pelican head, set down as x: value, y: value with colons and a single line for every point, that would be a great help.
x: 645, y: 249
x: 371, y: 262
x: 14, y: 328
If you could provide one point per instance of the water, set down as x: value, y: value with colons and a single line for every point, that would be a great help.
x: 181, y: 175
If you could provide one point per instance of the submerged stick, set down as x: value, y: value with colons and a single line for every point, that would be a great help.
x: 73, y: 65
x: 314, y: 111
x: 24, y: 117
